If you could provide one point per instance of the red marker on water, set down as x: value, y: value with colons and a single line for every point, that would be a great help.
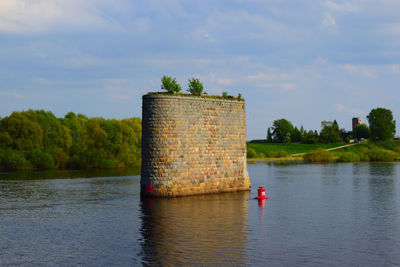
x: 261, y: 193
x: 149, y: 188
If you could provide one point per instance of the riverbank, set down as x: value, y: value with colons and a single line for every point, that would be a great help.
x: 324, y: 153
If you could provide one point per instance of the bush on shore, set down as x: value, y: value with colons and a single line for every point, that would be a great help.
x: 379, y: 154
x: 318, y: 156
x: 40, y: 159
x: 13, y: 160
x: 251, y: 153
x: 348, y: 157
x: 275, y: 154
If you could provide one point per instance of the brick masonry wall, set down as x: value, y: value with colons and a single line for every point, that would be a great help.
x: 193, y: 145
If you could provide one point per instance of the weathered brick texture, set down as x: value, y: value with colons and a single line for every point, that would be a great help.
x: 193, y: 145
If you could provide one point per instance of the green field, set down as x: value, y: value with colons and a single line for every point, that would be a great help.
x: 389, y: 145
x: 369, y: 151
x: 289, y: 148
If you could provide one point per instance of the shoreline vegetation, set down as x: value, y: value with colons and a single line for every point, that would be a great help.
x: 37, y: 140
x: 318, y: 153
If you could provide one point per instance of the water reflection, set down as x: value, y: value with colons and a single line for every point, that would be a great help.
x: 203, y: 230
x: 32, y: 196
x: 382, y: 169
x: 68, y: 174
x: 330, y: 175
x: 315, y: 216
x: 381, y: 185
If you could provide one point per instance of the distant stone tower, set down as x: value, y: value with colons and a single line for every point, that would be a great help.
x: 355, y: 122
x: 193, y: 145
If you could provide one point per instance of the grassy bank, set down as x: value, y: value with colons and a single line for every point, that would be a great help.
x: 276, y: 150
x: 316, y: 153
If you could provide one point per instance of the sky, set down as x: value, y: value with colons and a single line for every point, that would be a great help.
x: 305, y: 61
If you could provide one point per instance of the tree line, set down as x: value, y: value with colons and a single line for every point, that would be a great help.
x: 382, y: 127
x: 37, y: 139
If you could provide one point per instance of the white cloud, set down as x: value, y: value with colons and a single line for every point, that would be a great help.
x: 246, y: 26
x: 283, y: 86
x: 85, y: 61
x: 141, y: 25
x: 392, y: 29
x: 353, y: 111
x: 12, y: 94
x: 261, y: 76
x: 118, y: 92
x: 202, y: 35
x: 267, y: 76
x: 43, y: 81
x: 115, y: 80
x: 329, y: 20
x: 120, y: 96
x: 345, y: 6
x: 360, y: 70
x: 225, y: 81
x: 169, y: 62
x: 25, y: 16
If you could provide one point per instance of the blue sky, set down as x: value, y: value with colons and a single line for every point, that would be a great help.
x: 305, y: 61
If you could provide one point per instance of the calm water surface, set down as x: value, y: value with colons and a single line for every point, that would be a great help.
x: 317, y: 215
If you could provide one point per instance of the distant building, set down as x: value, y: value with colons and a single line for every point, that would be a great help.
x: 356, y: 122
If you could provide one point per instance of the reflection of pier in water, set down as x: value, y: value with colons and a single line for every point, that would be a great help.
x: 200, y: 230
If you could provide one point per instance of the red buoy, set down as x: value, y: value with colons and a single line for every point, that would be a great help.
x: 261, y: 193
x: 149, y: 188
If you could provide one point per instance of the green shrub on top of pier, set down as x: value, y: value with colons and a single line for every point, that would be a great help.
x: 195, y: 89
x: 170, y: 84
x: 207, y: 96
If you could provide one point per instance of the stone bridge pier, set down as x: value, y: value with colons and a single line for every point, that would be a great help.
x: 192, y: 145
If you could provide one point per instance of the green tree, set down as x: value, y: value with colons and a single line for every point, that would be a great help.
x: 269, y: 135
x: 13, y: 160
x: 381, y: 124
x: 296, y: 135
x: 37, y: 139
x: 93, y: 135
x: 330, y: 132
x: 170, y: 84
x: 75, y: 124
x: 40, y: 159
x: 49, y: 124
x: 345, y: 135
x: 310, y: 137
x: 303, y: 133
x: 25, y: 133
x: 282, y: 130
x: 5, y: 139
x: 361, y: 131
x: 195, y: 87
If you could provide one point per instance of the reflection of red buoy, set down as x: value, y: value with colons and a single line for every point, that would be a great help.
x: 149, y: 188
x: 261, y: 193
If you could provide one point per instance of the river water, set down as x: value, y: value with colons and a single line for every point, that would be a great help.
x: 317, y: 215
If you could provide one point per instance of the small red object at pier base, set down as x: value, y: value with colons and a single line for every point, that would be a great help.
x: 149, y: 188
x: 261, y: 193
